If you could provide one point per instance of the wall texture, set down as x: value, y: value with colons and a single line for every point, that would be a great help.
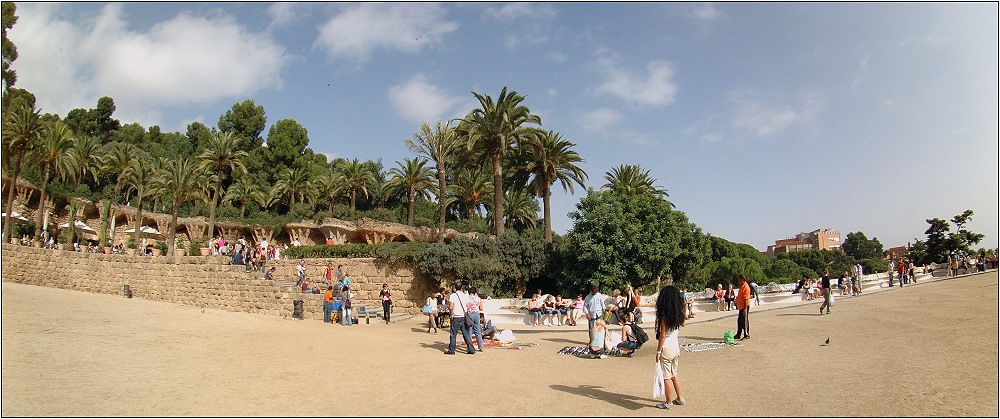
x: 209, y: 281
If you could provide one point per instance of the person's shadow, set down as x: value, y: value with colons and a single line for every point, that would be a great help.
x: 594, y: 392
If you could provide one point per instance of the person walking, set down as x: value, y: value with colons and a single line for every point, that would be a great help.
x: 856, y: 279
x: 386, y: 297
x: 593, y: 306
x: 669, y: 319
x: 825, y: 286
x: 346, y: 295
x: 457, y: 305
x: 743, y: 305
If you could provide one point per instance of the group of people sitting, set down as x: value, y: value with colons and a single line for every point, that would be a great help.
x: 557, y: 310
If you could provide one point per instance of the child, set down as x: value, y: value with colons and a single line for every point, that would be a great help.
x: 669, y: 319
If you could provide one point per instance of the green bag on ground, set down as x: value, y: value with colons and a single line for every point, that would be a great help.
x: 728, y: 337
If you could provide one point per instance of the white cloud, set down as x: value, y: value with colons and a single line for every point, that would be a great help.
x: 419, y: 101
x: 600, y: 119
x: 281, y: 13
x: 361, y: 29
x: 655, y: 87
x: 517, y: 11
x: 765, y: 114
x: 705, y: 12
x: 71, y: 62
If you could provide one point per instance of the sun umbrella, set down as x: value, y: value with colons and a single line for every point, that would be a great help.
x: 15, y: 215
x: 80, y: 225
x: 145, y: 230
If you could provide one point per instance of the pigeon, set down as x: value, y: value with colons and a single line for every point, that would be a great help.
x: 827, y: 341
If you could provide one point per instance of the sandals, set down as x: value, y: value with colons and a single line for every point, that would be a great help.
x: 664, y: 405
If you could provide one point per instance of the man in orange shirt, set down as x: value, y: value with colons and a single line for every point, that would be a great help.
x: 743, y: 305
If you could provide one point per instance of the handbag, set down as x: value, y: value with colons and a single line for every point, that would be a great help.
x: 427, y: 309
x: 468, y: 318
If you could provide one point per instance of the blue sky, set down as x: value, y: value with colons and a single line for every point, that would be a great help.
x: 761, y: 120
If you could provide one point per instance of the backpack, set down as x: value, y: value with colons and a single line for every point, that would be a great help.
x: 640, y: 335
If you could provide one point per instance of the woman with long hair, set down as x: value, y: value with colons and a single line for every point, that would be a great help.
x: 669, y: 319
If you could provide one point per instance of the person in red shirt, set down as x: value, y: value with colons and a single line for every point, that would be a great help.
x: 328, y: 305
x: 743, y: 305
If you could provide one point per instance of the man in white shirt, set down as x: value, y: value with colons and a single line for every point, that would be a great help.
x: 593, y: 306
x: 457, y: 303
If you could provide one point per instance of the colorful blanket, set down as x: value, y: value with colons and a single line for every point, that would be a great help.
x: 487, y: 343
x: 707, y: 346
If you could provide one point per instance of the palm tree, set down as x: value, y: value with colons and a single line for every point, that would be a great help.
x: 494, y: 127
x: 116, y: 158
x: 86, y: 154
x: 22, y: 131
x: 353, y: 176
x: 632, y: 180
x: 439, y: 145
x: 220, y: 156
x: 245, y: 190
x: 293, y: 182
x: 328, y: 185
x: 545, y: 159
x: 471, y: 188
x: 414, y: 178
x: 180, y: 180
x: 140, y: 176
x: 53, y: 154
x: 521, y: 209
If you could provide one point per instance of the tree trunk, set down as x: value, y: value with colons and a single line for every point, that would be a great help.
x: 354, y: 193
x: 138, y: 220
x: 547, y: 212
x: 10, y: 197
x: 520, y: 287
x: 172, y: 234
x: 243, y: 208
x: 409, y: 207
x: 497, y: 193
x: 41, y: 203
x: 211, y: 210
x: 442, y: 186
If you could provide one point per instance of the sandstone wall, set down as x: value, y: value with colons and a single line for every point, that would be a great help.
x: 209, y: 282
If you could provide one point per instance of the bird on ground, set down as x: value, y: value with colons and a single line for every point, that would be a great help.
x: 827, y: 341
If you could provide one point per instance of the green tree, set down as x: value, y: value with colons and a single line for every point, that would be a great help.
x: 439, y: 145
x: 96, y: 122
x: 293, y: 182
x: 626, y: 239
x: 9, y: 49
x: 494, y: 127
x: 354, y: 176
x: 632, y: 180
x: 86, y: 155
x: 244, y: 121
x: 414, y: 179
x: 53, y: 156
x: 543, y: 160
x: 470, y: 189
x: 942, y: 243
x: 522, y: 210
x: 498, y: 267
x: 179, y: 181
x: 115, y: 160
x: 140, y: 176
x: 220, y: 156
x: 858, y: 246
x: 244, y: 190
x: 22, y: 132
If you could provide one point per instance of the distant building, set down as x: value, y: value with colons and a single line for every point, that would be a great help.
x: 820, y: 239
x: 895, y: 253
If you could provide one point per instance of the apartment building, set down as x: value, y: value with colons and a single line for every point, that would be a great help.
x: 817, y: 239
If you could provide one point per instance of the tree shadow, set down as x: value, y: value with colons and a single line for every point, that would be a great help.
x: 436, y: 346
x: 800, y: 314
x: 698, y: 338
x: 568, y: 341
x: 595, y: 392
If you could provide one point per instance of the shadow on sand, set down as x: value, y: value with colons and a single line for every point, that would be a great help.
x: 626, y: 401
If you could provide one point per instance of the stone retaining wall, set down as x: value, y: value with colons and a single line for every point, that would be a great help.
x: 208, y: 281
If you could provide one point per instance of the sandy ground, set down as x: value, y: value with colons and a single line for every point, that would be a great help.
x: 927, y: 350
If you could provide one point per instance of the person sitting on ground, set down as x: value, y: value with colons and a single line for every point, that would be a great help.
x: 269, y: 275
x: 489, y: 332
x: 720, y: 298
x: 596, y: 344
x: 306, y: 289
